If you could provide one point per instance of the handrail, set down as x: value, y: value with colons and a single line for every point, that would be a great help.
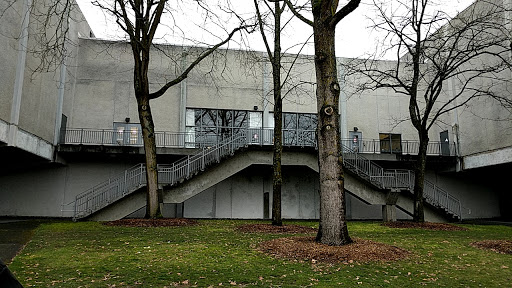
x: 134, y: 178
x: 264, y: 136
x: 129, y: 181
x: 404, y: 147
x: 398, y: 179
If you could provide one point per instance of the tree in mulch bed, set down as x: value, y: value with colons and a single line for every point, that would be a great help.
x: 307, y: 249
x: 498, y: 246
x: 424, y: 225
x: 268, y: 228
x: 163, y: 222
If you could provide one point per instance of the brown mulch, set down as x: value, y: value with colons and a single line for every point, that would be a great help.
x: 424, y: 225
x: 307, y: 249
x: 499, y: 246
x: 164, y: 222
x: 269, y: 228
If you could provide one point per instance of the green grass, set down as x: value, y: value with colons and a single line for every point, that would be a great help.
x: 88, y: 254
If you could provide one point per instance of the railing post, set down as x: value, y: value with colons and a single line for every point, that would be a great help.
x: 125, y: 181
x: 202, y: 160
x: 188, y: 166
x: 81, y: 135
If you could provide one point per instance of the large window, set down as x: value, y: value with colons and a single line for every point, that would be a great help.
x: 390, y: 143
x: 208, y: 126
x: 299, y: 128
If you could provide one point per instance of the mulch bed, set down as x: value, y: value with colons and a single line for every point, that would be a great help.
x: 307, y: 249
x: 499, y: 246
x: 164, y: 222
x: 424, y: 225
x: 269, y: 228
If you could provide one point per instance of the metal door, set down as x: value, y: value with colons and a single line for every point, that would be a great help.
x: 445, y: 143
x: 356, y: 141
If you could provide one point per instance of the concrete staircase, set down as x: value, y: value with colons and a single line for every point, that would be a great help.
x: 191, y: 175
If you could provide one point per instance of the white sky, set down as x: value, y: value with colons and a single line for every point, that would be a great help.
x: 354, y: 38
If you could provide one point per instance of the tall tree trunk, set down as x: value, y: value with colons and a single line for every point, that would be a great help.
x: 277, y: 176
x: 419, y: 179
x: 333, y: 228
x: 148, y: 134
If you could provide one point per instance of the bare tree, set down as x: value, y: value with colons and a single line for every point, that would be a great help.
x: 441, y: 64
x: 275, y: 57
x: 326, y: 16
x: 140, y: 20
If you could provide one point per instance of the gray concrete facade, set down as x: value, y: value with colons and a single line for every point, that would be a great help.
x: 92, y: 89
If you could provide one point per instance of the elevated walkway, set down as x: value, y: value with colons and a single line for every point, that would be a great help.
x: 193, y: 174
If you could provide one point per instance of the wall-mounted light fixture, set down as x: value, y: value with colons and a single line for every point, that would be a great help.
x: 127, y: 119
x: 355, y: 129
x: 255, y: 108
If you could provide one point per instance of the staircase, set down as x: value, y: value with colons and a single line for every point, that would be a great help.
x: 134, y: 178
x: 402, y: 180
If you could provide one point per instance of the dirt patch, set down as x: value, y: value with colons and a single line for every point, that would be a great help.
x: 499, y: 246
x: 164, y: 222
x: 424, y: 225
x: 307, y: 249
x: 269, y: 228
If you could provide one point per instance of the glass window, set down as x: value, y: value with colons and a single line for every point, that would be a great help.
x: 307, y: 121
x: 390, y: 143
x: 289, y: 121
x: 255, y: 119
x: 134, y: 134
x: 189, y: 121
x: 240, y: 118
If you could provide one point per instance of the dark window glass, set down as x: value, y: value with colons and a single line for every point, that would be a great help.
x: 307, y: 121
x: 225, y: 118
x: 240, y: 118
x: 208, y: 117
x: 289, y: 121
x: 390, y: 143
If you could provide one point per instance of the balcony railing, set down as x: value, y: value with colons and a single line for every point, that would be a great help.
x: 255, y: 136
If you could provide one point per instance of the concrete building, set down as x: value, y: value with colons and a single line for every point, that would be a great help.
x: 71, y: 143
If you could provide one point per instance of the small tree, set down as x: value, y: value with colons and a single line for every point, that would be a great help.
x: 140, y: 19
x: 326, y: 16
x: 470, y: 52
x: 275, y: 57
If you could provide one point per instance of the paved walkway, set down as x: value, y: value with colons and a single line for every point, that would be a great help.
x: 14, y: 234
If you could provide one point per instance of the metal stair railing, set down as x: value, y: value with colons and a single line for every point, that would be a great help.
x: 373, y: 173
x: 399, y: 179
x: 132, y: 179
x: 189, y: 166
x: 101, y: 195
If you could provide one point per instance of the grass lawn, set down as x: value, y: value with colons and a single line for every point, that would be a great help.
x: 89, y: 254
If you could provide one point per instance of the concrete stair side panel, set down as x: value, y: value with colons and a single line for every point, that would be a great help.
x: 121, y: 208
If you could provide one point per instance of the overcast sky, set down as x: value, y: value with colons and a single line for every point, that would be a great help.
x: 354, y: 38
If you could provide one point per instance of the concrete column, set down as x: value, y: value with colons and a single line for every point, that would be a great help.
x: 60, y: 101
x: 267, y: 91
x: 343, y: 103
x: 389, y: 209
x: 183, y: 93
x: 20, y: 74
x: 389, y: 213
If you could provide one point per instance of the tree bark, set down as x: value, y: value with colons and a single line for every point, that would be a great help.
x: 419, y: 179
x: 148, y: 134
x: 332, y: 228
x: 277, y: 176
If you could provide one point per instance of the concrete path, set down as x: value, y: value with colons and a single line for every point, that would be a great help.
x: 14, y: 234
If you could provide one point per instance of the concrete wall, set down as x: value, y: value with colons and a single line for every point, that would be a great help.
x: 44, y: 191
